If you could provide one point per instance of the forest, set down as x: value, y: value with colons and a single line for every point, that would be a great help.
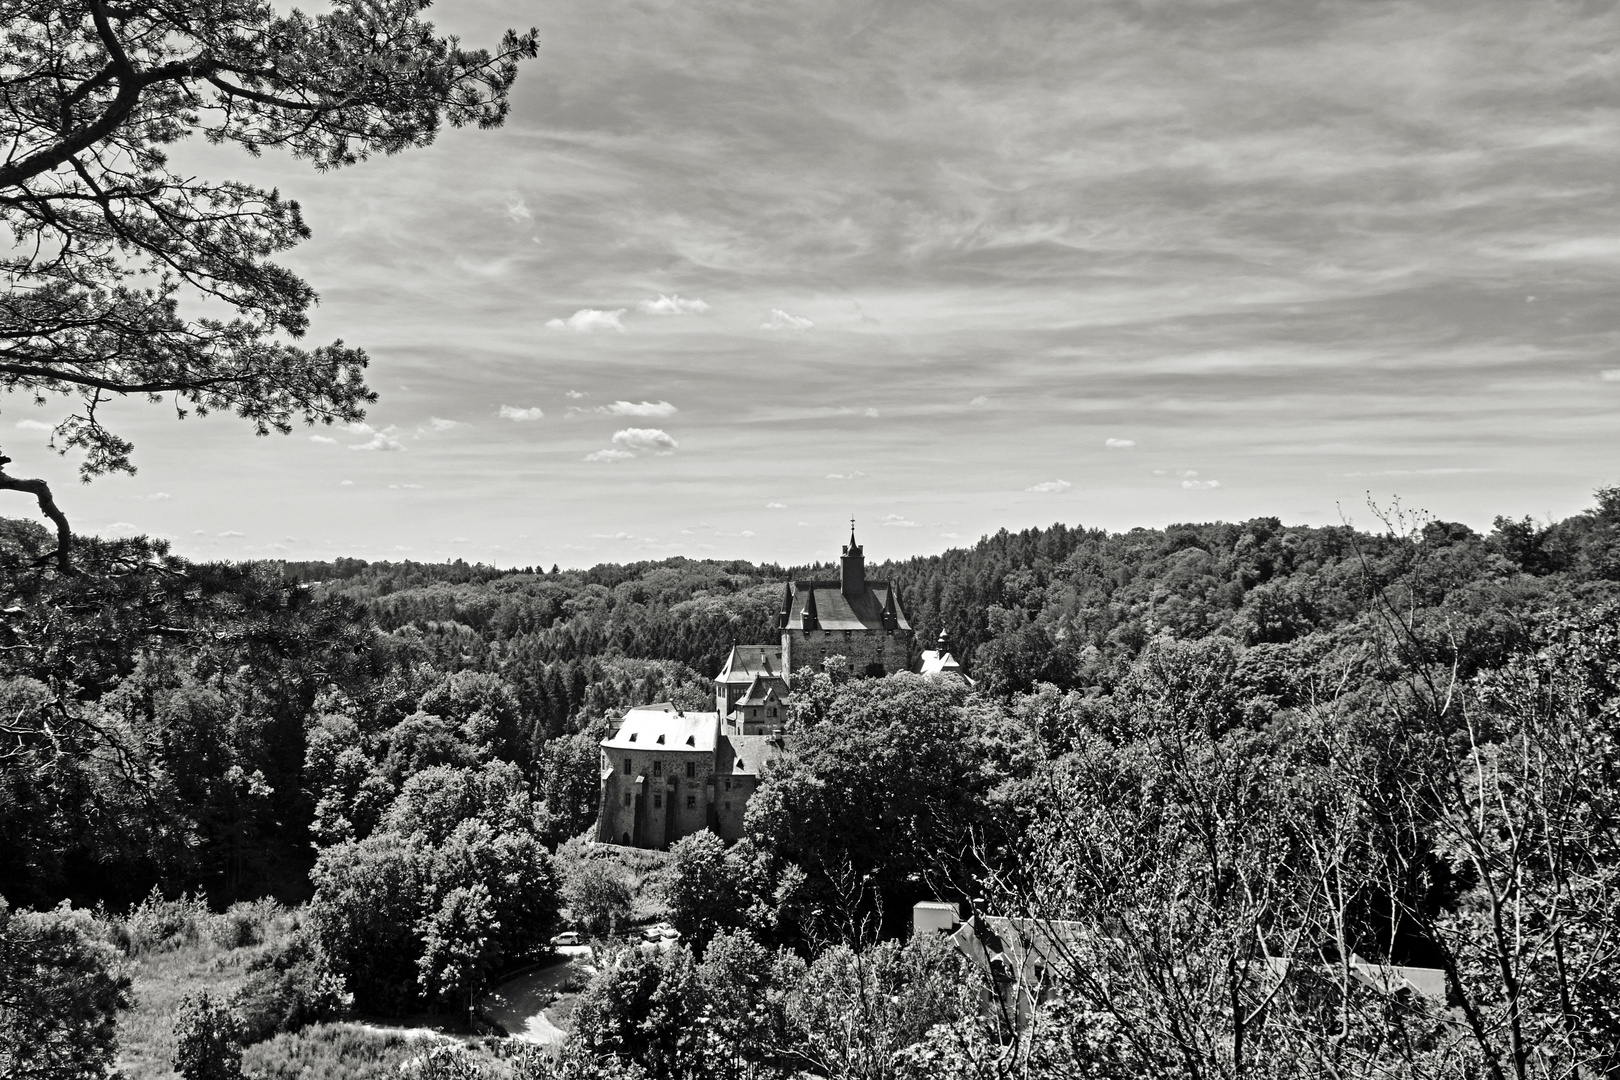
x: 1235, y: 763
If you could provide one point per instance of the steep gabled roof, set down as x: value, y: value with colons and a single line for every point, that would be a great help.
x: 746, y: 755
x: 762, y: 690
x: 831, y: 609
x: 748, y: 661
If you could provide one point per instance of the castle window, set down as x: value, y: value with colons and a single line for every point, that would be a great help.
x: 658, y: 768
x: 691, y: 769
x: 728, y: 785
x: 627, y: 798
x: 728, y: 804
x: 773, y: 710
x: 691, y: 802
x: 658, y: 802
x: 627, y: 766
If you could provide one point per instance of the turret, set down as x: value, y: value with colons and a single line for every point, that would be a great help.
x: 787, y: 606
x: 812, y: 621
x: 853, y: 581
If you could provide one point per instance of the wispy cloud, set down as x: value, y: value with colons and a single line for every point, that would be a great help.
x: 575, y: 394
x: 34, y: 425
x: 781, y: 320
x: 672, y: 305
x: 160, y: 496
x: 511, y: 412
x: 609, y: 455
x: 1119, y: 444
x: 439, y: 423
x: 588, y: 320
x: 1200, y: 485
x: 898, y: 521
x: 517, y: 210
x: 324, y: 439
x: 385, y: 439
x: 1050, y: 486
x: 641, y: 409
x: 776, y: 506
x: 226, y: 533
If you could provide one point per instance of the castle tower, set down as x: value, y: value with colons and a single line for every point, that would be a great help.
x: 853, y: 561
x: 854, y: 617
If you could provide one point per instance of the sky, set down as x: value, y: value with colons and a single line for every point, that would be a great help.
x: 734, y: 272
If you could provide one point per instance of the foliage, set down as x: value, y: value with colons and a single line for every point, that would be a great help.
x: 61, y: 986
x: 598, y: 894
x: 109, y: 240
x: 207, y: 1046
x: 330, y: 1052
x: 854, y: 1011
x: 642, y: 1008
x: 289, y: 986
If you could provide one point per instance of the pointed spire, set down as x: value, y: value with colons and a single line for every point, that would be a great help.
x: 812, y: 621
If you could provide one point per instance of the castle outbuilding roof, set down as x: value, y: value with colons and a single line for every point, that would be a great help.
x: 746, y: 755
x: 761, y: 690
x: 663, y: 727
x: 749, y: 661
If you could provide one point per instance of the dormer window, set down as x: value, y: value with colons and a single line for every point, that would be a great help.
x: 632, y: 736
x: 660, y: 740
x: 691, y: 740
x: 741, y: 765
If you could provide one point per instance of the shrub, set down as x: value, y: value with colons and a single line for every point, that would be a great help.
x: 206, y: 1046
x: 329, y: 1052
x: 289, y: 986
x: 61, y: 987
x: 248, y: 922
x: 159, y: 925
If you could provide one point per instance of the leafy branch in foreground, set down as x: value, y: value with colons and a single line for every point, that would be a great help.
x: 107, y: 240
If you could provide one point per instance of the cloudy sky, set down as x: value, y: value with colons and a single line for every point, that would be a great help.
x: 736, y: 270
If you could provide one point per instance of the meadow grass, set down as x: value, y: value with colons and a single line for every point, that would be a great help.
x: 162, y: 980
x: 335, y: 1051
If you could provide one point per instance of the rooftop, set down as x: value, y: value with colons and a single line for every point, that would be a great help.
x: 662, y: 727
x: 747, y: 661
x: 836, y: 611
x: 746, y: 755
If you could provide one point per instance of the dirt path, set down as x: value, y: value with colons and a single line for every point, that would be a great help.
x: 519, y: 1004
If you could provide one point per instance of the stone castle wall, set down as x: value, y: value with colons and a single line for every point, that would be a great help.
x: 865, y: 650
x: 664, y: 794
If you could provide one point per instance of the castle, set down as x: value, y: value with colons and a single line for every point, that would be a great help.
x: 667, y: 773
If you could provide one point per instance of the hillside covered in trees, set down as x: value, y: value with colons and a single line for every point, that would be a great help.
x: 1230, y: 757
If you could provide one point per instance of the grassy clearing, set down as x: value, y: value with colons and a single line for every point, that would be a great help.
x: 146, y: 1032
x: 340, y: 1051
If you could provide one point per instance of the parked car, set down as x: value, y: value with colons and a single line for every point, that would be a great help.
x: 568, y: 937
x: 659, y: 932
